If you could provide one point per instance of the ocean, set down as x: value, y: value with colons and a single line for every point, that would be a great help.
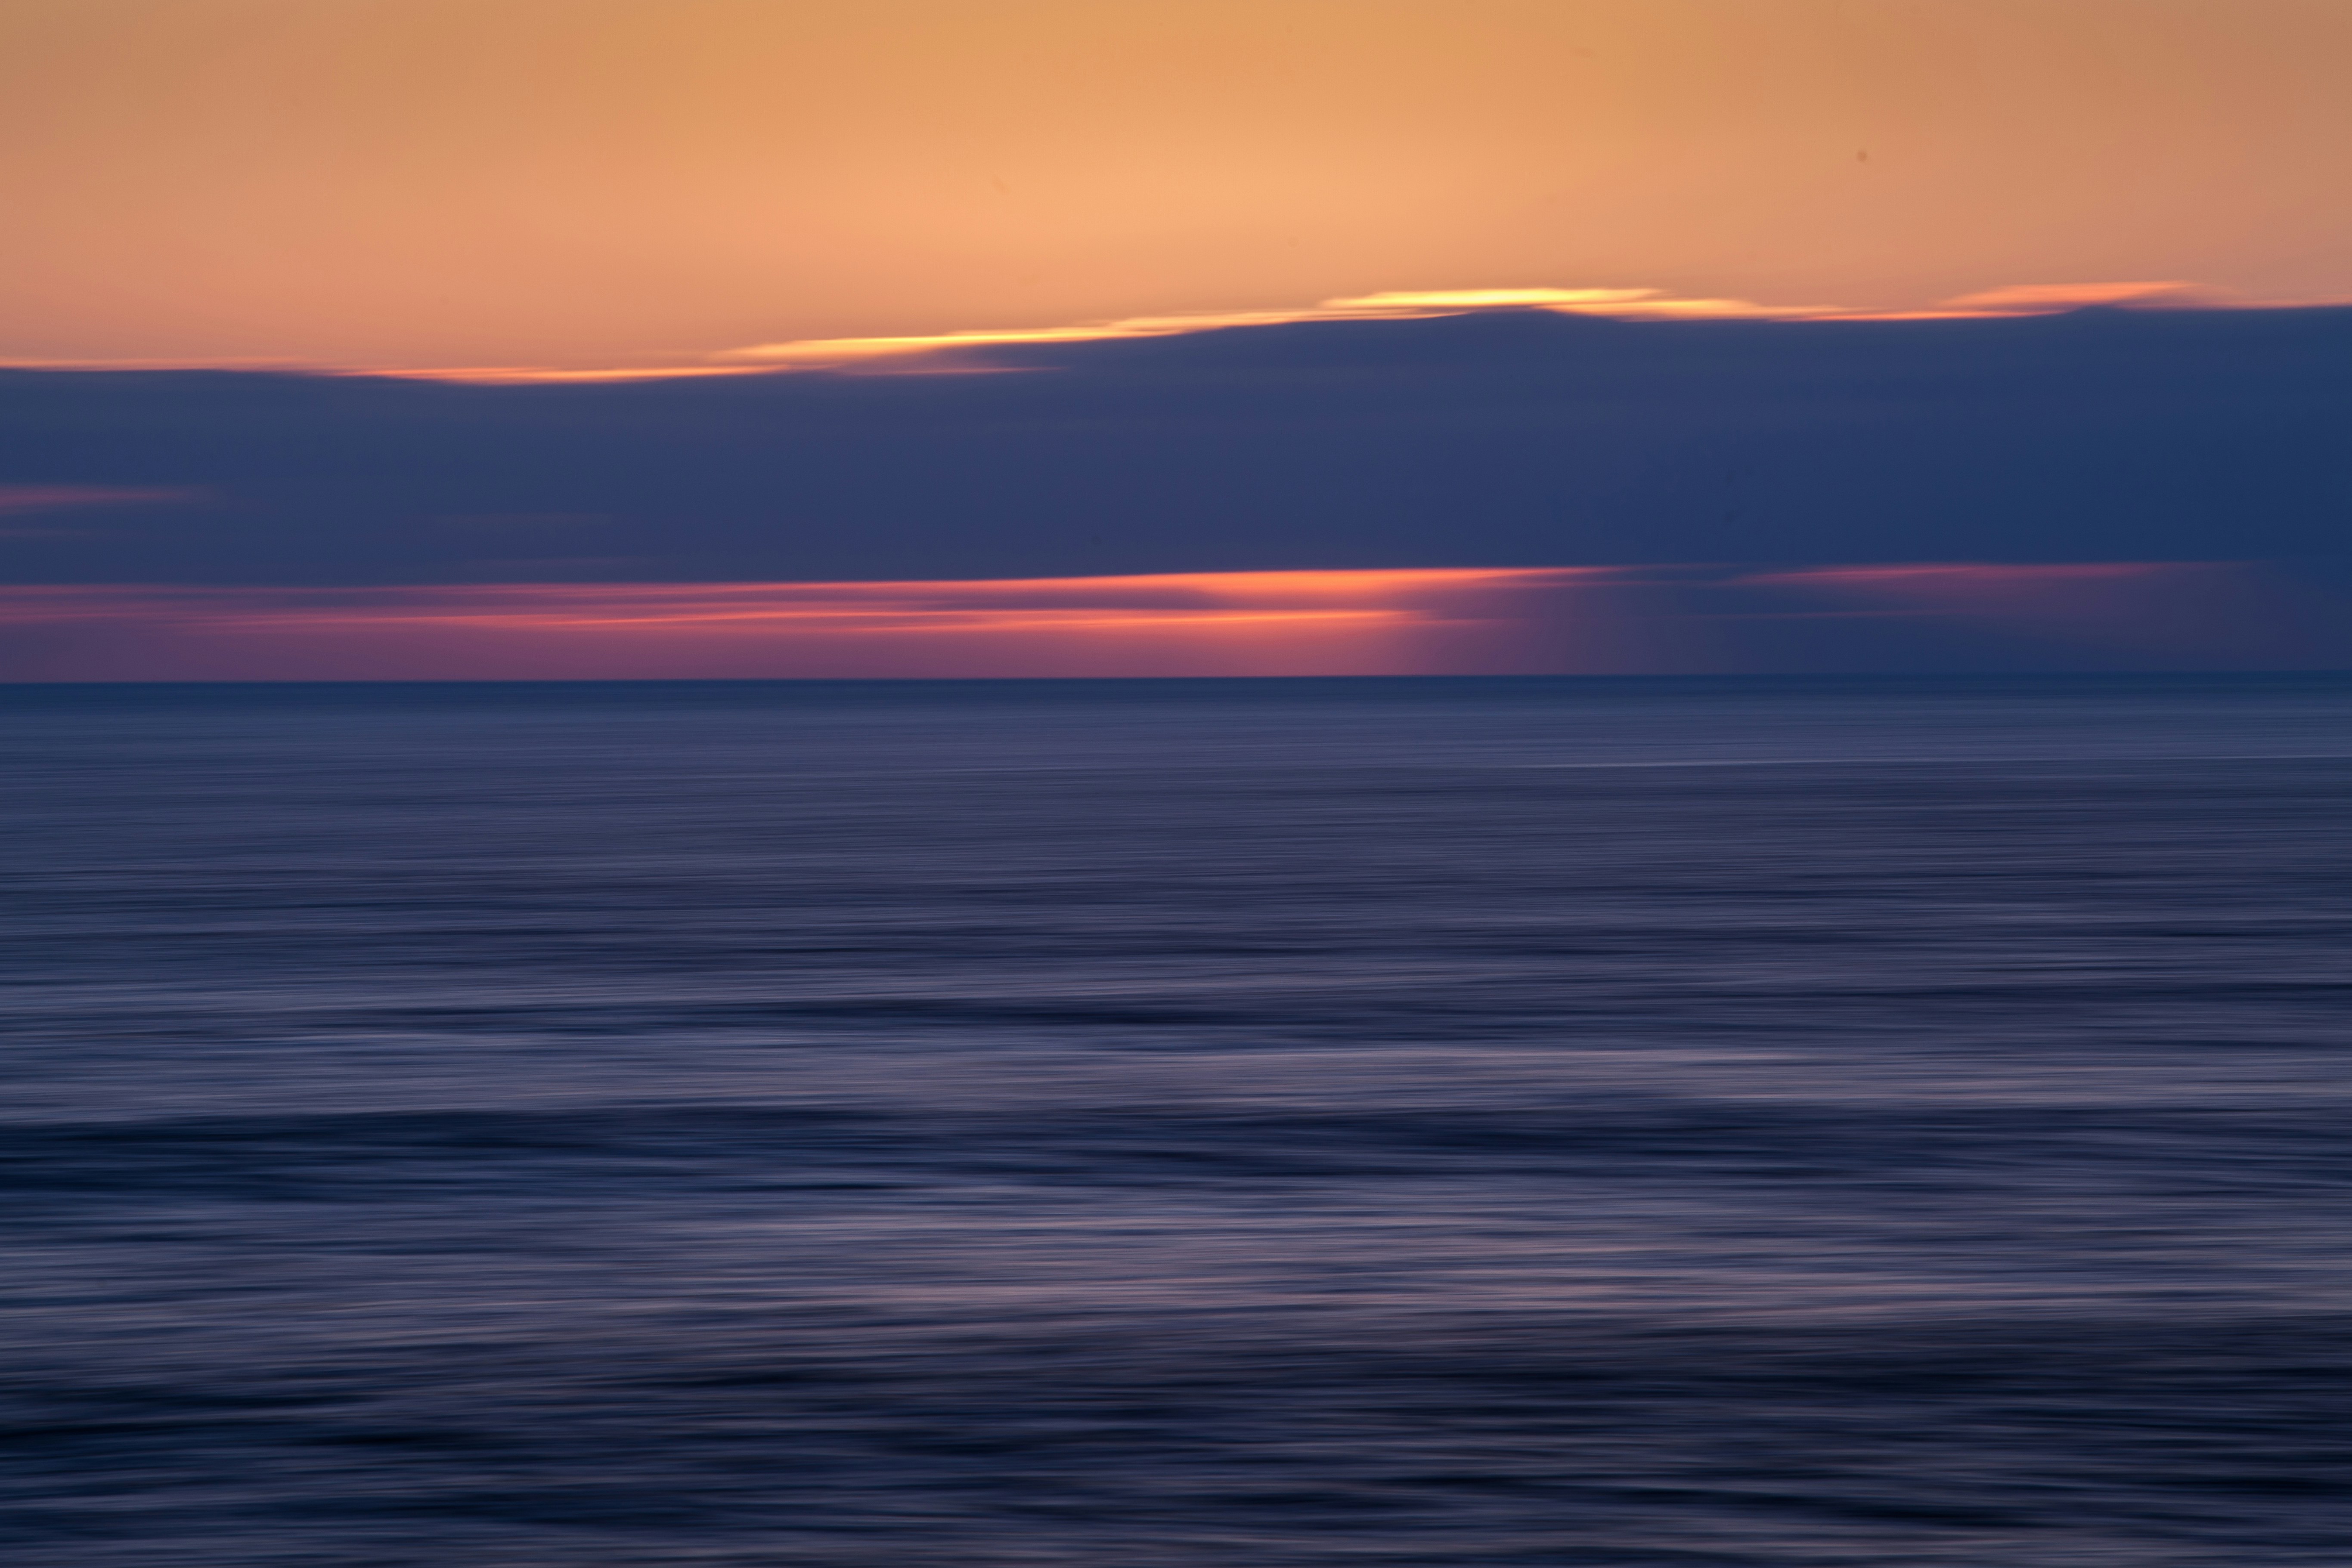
x: 1747, y: 1123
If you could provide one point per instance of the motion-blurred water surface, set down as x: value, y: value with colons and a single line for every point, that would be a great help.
x: 1168, y: 1123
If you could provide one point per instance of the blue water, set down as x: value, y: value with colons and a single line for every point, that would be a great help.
x: 1156, y: 1124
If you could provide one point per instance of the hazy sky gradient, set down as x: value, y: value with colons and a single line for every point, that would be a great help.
x: 582, y: 183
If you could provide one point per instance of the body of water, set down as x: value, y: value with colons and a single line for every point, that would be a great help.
x: 1154, y: 1125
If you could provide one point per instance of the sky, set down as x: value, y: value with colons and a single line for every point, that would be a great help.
x: 1697, y: 302
x: 594, y: 182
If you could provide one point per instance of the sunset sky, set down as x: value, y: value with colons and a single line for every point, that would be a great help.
x: 763, y: 203
x: 591, y: 183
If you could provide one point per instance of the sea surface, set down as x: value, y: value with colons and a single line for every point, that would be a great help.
x: 1151, y: 1124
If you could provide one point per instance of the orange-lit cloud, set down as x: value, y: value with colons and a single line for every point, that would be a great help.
x: 1615, y: 621
x: 935, y: 353
x: 2029, y: 298
x: 608, y: 185
x: 1234, y: 624
x: 1394, y: 305
x: 1398, y: 305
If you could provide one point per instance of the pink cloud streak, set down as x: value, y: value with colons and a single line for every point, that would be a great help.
x: 1448, y: 621
x: 1292, y: 622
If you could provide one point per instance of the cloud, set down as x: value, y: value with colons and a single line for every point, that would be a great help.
x: 1615, y: 304
x: 953, y: 352
x: 1231, y: 623
x: 1575, y: 620
x: 525, y: 376
x: 19, y: 498
x: 2036, y: 298
x: 1396, y: 305
x: 39, y: 500
x: 1481, y: 439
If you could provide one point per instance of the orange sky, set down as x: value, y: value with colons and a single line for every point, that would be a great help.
x: 608, y: 182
